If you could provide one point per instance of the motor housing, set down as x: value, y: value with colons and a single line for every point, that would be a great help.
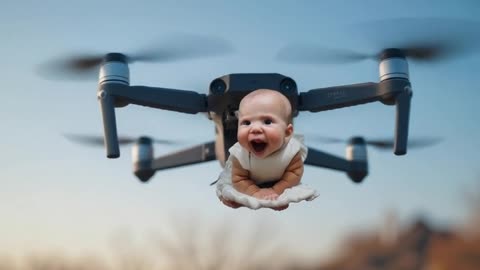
x: 142, y: 157
x: 356, y: 154
x: 393, y: 65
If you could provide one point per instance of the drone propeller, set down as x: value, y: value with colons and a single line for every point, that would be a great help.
x: 383, y: 144
x: 174, y: 48
x: 417, y: 39
x: 94, y: 140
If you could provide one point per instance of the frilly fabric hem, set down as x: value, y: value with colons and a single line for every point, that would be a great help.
x: 290, y: 195
x: 225, y: 190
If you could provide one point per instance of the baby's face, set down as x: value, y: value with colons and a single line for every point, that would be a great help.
x: 262, y: 123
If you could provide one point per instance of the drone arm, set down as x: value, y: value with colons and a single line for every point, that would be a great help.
x: 197, y: 154
x: 356, y: 169
x: 160, y: 98
x: 330, y: 98
x: 391, y: 91
x: 115, y: 94
x: 322, y: 159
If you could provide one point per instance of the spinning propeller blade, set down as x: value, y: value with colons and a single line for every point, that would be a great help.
x: 94, y: 140
x: 307, y: 54
x: 174, y: 48
x: 426, y: 39
x: 383, y: 144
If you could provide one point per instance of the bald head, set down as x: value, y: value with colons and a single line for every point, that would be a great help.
x: 267, y: 97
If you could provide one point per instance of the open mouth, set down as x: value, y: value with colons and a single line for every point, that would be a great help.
x: 258, y: 145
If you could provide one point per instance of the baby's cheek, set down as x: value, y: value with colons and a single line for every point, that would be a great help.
x: 242, y: 138
x: 275, y: 135
x: 241, y: 135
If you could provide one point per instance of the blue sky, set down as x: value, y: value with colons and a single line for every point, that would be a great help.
x: 54, y: 192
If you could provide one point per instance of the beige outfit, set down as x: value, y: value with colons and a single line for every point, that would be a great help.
x: 272, y: 167
x: 265, y: 170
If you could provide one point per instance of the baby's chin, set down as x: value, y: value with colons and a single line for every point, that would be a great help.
x: 259, y: 155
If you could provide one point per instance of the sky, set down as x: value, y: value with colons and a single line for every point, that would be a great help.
x: 54, y: 193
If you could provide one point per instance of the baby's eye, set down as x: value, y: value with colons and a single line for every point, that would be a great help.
x: 245, y: 123
x: 267, y: 121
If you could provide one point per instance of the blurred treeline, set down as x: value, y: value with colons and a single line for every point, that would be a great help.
x: 416, y: 245
x: 419, y: 245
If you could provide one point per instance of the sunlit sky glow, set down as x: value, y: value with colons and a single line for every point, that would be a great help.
x: 58, y: 195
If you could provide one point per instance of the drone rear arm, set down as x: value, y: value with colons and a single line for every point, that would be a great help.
x: 145, y: 166
x: 325, y: 160
x: 356, y: 169
x: 196, y: 154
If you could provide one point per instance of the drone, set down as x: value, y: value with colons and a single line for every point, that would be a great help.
x: 225, y: 93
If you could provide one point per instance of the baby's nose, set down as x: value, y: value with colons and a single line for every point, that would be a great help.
x: 256, y: 129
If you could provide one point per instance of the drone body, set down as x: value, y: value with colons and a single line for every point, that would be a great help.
x: 222, y: 102
x: 225, y: 93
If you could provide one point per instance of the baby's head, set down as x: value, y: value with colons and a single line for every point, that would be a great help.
x: 264, y: 122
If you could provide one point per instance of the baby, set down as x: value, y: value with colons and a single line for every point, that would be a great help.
x: 267, y: 159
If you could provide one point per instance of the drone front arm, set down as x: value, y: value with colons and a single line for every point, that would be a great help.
x: 160, y: 98
x: 390, y: 91
x: 330, y: 98
x: 117, y: 94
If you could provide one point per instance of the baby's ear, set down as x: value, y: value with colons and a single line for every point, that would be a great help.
x: 289, y: 132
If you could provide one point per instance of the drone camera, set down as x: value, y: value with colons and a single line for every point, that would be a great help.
x: 288, y: 85
x: 218, y: 86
